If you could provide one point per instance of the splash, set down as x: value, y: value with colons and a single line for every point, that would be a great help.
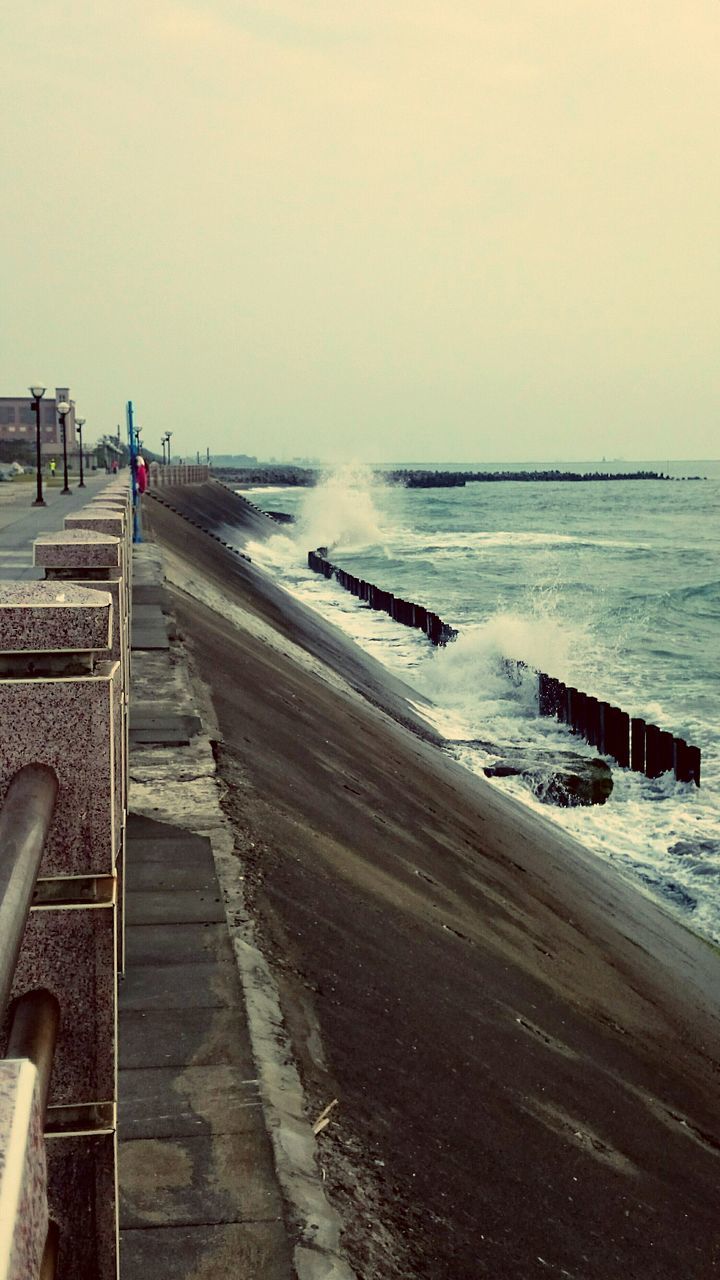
x: 341, y: 512
x: 472, y: 670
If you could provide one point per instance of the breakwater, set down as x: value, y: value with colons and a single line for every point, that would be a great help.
x: 629, y: 740
x: 404, y: 611
x: 458, y: 479
x: 420, y: 478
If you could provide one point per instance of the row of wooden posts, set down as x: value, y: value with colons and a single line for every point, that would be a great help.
x: 404, y: 611
x: 629, y: 740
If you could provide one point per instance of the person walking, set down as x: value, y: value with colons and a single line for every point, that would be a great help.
x: 53, y: 465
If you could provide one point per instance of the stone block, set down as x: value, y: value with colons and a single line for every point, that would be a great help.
x: 77, y: 549
x: 184, y: 1037
x: 180, y: 986
x: 23, y: 1172
x: 207, y: 1252
x: 74, y: 724
x: 181, y: 1181
x: 102, y: 519
x: 71, y: 952
x: 52, y: 617
x: 188, y: 1101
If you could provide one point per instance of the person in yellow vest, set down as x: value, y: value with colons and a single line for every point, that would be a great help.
x: 53, y: 464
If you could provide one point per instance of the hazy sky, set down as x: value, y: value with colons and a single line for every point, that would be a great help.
x: 408, y: 229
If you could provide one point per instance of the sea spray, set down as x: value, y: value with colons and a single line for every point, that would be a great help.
x: 536, y: 577
x: 341, y: 513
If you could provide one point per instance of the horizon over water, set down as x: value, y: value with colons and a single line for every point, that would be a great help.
x: 612, y: 586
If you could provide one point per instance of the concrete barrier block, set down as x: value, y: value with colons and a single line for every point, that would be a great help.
x: 23, y: 1172
x: 77, y: 548
x: 74, y: 724
x: 101, y: 518
x: 42, y: 617
x: 70, y: 950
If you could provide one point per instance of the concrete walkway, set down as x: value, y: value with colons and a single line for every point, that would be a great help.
x: 198, y: 1193
x: 193, y: 1147
x: 20, y: 522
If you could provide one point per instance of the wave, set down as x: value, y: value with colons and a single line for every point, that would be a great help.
x: 459, y: 542
x: 617, y: 628
x: 341, y: 512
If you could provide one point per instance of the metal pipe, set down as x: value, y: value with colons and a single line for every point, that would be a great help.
x: 48, y: 1266
x: 63, y: 428
x: 35, y: 1020
x: 25, y: 818
x: 39, y: 500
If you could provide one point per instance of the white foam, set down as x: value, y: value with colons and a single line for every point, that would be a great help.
x: 483, y: 715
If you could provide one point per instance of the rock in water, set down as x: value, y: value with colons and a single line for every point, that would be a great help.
x: 564, y: 779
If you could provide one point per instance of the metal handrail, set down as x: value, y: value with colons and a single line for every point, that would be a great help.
x: 25, y: 819
x: 34, y: 1025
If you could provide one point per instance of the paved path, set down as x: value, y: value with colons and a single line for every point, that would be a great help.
x: 198, y: 1195
x: 20, y: 522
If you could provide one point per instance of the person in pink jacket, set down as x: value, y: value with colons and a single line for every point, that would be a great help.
x: 141, y: 473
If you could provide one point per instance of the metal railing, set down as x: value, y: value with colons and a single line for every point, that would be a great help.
x: 25, y: 819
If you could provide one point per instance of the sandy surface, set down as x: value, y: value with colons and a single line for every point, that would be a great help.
x: 524, y: 1050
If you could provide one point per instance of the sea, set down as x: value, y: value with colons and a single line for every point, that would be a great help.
x: 611, y: 585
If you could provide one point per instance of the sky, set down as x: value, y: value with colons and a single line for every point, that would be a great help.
x: 466, y: 230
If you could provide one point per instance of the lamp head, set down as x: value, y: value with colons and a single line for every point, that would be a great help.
x: 37, y: 390
x: 63, y: 407
x: 80, y: 422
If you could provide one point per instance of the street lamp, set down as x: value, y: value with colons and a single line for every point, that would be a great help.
x: 79, y: 424
x: 167, y: 437
x: 63, y: 409
x: 37, y: 392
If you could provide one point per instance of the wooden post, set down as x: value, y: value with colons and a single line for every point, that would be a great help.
x: 622, y: 738
x: 653, y: 767
x: 693, y: 765
x: 603, y: 717
x: 637, y: 744
x: 666, y: 751
x: 592, y: 727
x: 581, y: 713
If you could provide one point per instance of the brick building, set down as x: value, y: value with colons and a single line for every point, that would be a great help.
x: 17, y: 422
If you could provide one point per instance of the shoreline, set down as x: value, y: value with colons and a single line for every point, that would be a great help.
x: 573, y: 1022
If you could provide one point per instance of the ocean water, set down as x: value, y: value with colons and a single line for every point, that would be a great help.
x: 612, y: 586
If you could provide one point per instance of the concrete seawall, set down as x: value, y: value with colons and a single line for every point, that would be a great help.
x: 522, y: 1049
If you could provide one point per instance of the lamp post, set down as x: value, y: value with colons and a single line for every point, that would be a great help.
x: 167, y: 437
x: 163, y: 449
x: 80, y: 423
x: 37, y: 392
x: 63, y: 409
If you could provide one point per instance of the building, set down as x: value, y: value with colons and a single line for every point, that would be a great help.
x: 17, y: 422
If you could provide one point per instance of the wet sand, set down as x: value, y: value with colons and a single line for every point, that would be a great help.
x: 523, y: 1048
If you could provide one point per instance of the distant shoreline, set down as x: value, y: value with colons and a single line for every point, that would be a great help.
x: 430, y: 479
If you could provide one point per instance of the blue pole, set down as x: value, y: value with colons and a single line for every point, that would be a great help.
x: 132, y: 446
